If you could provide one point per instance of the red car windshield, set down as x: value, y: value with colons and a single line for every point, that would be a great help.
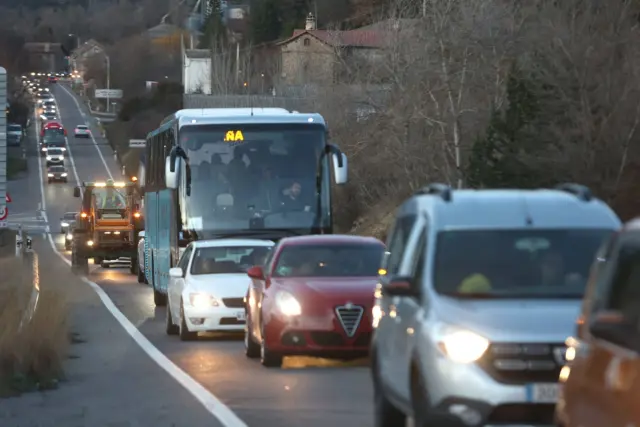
x: 329, y: 260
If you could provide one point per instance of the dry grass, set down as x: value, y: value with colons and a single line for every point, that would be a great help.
x: 31, y: 351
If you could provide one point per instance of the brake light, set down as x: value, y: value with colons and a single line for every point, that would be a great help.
x: 83, y: 215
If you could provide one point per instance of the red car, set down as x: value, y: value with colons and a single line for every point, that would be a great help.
x: 52, y: 79
x: 313, y: 297
x: 52, y: 125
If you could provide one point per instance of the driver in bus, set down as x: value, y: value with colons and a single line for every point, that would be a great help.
x: 292, y: 198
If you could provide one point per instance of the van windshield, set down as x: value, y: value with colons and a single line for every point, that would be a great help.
x: 515, y: 263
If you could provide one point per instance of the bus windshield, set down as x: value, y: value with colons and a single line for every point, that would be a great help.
x: 258, y: 173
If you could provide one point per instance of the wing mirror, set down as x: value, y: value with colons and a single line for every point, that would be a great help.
x: 76, y: 192
x: 399, y: 287
x: 256, y: 272
x: 176, y: 272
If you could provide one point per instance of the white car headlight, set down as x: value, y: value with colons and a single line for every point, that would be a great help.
x: 463, y: 346
x: 288, y: 304
x: 64, y: 175
x: 69, y: 236
x: 64, y: 224
x: 50, y: 175
x: 45, y: 149
x: 202, y: 300
x: 49, y: 157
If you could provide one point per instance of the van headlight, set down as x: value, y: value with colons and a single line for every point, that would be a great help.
x: 463, y: 346
x: 288, y: 304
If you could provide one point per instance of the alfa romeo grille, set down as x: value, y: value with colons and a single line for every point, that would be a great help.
x: 350, y: 317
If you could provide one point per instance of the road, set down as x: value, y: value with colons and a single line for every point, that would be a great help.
x: 306, y: 392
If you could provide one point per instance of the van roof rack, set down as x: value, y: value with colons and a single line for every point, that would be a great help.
x: 582, y: 192
x: 442, y: 190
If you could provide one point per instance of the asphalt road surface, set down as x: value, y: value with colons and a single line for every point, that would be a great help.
x: 306, y: 392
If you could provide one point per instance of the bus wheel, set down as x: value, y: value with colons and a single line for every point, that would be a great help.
x: 159, y: 299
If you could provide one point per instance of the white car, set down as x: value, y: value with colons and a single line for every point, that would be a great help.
x: 206, y: 290
x: 141, y: 258
x: 82, y: 131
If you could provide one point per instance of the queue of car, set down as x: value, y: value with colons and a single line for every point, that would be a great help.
x: 472, y: 314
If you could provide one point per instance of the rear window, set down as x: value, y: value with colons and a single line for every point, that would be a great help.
x: 329, y: 260
x: 82, y: 127
x: 14, y: 128
x: 227, y: 260
x: 515, y: 263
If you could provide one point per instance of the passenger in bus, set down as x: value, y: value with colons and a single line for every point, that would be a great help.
x: 237, y: 173
x: 265, y: 191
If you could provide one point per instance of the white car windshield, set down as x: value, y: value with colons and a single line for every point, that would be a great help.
x: 55, y: 152
x: 227, y: 260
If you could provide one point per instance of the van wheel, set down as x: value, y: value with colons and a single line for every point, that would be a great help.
x: 385, y: 414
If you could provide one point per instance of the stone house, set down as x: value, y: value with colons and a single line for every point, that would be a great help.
x: 323, y: 57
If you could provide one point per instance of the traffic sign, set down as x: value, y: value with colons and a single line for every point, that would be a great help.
x: 137, y: 143
x: 4, y: 224
x: 108, y: 93
x: 4, y: 212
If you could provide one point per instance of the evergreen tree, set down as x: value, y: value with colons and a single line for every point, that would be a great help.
x: 496, y: 157
x: 266, y: 24
x: 214, y: 28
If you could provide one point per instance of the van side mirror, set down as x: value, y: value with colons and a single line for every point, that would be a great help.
x: 76, y: 192
x: 399, y: 287
x: 256, y: 272
x: 340, y: 168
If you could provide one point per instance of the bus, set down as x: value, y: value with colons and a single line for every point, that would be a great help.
x: 234, y: 172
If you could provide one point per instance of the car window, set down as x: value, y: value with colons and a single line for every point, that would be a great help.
x: 516, y: 263
x: 227, y: 259
x: 184, y: 259
x: 330, y: 260
x: 82, y: 127
x: 397, y: 243
x: 70, y: 215
x: 419, y: 261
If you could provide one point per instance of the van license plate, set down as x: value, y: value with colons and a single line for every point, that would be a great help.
x: 542, y: 393
x: 241, y: 316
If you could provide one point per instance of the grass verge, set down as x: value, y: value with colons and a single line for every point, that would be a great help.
x: 31, y: 351
x: 15, y: 165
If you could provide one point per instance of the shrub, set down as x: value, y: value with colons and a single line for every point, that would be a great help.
x: 32, y: 347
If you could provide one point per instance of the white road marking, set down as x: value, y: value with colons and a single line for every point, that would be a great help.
x: 212, y: 404
x: 95, y: 144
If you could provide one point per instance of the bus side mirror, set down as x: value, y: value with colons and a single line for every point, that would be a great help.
x: 171, y: 177
x: 76, y: 192
x: 340, y: 168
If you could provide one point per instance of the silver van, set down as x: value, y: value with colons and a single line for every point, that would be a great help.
x: 479, y: 290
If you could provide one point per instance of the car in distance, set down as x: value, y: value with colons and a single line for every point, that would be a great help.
x: 313, y: 297
x: 49, y: 142
x: 57, y: 173
x: 206, y: 290
x: 82, y: 131
x: 67, y: 219
x: 15, y: 134
x: 55, y: 156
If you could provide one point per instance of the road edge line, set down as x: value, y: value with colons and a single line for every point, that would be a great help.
x: 211, y: 403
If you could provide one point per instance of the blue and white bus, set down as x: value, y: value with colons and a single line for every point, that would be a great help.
x: 236, y: 172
